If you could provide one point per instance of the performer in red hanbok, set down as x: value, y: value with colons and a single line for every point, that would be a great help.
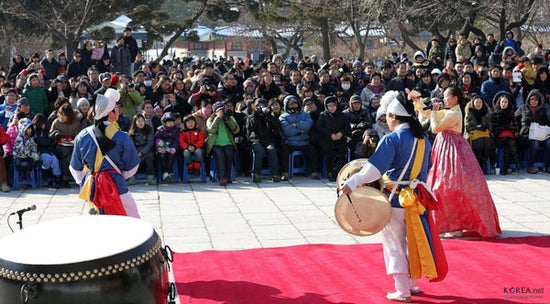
x: 464, y: 200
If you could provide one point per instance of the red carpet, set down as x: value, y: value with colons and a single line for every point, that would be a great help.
x: 510, y: 270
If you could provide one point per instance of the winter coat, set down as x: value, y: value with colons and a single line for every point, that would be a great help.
x: 130, y: 100
x: 44, y: 142
x: 121, y: 59
x: 143, y: 140
x: 75, y: 69
x: 476, y: 120
x: 490, y: 87
x: 191, y: 137
x: 24, y: 146
x: 332, y: 123
x: 303, y: 121
x: 526, y: 114
x: 52, y: 68
x: 212, y: 127
x: 170, y: 136
x: 263, y: 128
x: 233, y: 94
x: 37, y: 98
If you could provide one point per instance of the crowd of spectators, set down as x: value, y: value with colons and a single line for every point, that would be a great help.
x: 237, y: 112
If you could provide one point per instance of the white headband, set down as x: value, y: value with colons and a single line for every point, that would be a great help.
x: 397, y: 108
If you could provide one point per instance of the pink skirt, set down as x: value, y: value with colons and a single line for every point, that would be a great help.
x: 464, y: 200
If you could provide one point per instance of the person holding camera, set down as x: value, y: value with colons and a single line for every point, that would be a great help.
x: 206, y: 91
x: 130, y: 99
x: 221, y: 127
x: 264, y: 132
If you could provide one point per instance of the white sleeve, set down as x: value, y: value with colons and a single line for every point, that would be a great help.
x: 368, y: 173
x: 77, y: 175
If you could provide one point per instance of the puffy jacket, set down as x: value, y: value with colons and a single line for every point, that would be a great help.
x: 144, y: 141
x: 191, y: 137
x: 332, y: 123
x: 213, y: 125
x: 291, y: 134
x: 526, y: 114
x: 24, y: 146
x: 263, y: 128
x: 168, y: 135
x: 37, y: 98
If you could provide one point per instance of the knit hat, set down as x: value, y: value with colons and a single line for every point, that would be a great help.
x: 114, y: 80
x: 167, y: 117
x: 218, y: 106
x: 103, y: 105
x: 82, y: 101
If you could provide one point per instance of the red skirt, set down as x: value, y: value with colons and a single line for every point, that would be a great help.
x: 464, y: 200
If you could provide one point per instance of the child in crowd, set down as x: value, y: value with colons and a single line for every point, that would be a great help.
x: 191, y: 142
x: 25, y: 149
x: 166, y: 140
x: 46, y: 148
x: 143, y: 137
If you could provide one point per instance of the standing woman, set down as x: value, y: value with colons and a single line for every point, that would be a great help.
x: 477, y: 124
x: 464, y: 200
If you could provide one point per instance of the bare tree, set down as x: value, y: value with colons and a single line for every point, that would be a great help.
x: 360, y: 17
x: 66, y: 21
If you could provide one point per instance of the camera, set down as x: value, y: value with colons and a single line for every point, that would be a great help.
x: 227, y: 113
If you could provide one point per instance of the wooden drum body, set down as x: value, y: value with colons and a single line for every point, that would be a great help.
x: 89, y: 259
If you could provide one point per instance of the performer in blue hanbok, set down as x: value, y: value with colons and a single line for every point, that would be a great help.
x: 403, y: 157
x: 103, y: 158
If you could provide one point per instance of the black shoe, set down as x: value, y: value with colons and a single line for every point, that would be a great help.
x: 276, y: 178
x: 65, y: 184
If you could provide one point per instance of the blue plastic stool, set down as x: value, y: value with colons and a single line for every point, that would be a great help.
x: 214, y: 169
x: 185, y: 175
x: 296, y: 166
x: 541, y: 159
x: 265, y: 169
x: 175, y: 169
x: 500, y: 161
x: 33, y: 182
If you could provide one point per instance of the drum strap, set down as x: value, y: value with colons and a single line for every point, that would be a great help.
x: 420, y: 146
x: 394, y: 184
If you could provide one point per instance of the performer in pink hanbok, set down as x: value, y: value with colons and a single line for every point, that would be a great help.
x: 464, y: 200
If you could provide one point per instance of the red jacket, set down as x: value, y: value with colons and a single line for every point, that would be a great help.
x: 3, y: 136
x: 193, y: 137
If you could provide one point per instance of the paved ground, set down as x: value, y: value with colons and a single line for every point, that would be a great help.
x: 196, y: 216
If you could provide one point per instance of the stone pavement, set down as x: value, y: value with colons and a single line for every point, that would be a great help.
x: 196, y: 216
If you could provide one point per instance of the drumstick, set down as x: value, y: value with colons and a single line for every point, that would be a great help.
x: 352, y: 206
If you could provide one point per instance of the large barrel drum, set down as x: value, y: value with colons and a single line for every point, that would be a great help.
x: 87, y: 259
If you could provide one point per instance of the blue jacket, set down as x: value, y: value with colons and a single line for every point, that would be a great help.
x: 490, y: 87
x: 291, y: 134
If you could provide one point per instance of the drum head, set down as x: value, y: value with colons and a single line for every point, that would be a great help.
x: 350, y: 169
x: 367, y: 214
x: 74, y: 239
